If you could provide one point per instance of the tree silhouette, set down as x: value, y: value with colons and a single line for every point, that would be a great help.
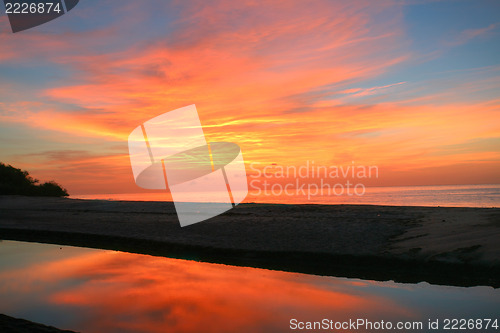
x: 19, y: 182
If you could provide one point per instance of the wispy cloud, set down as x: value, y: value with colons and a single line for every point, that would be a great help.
x: 470, y: 34
x: 288, y: 81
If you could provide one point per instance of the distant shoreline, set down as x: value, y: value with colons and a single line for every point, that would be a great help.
x: 440, y: 245
x: 473, y: 196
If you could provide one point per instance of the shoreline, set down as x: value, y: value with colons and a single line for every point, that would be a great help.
x: 439, y: 245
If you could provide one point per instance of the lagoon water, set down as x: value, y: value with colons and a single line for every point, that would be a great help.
x: 90, y: 290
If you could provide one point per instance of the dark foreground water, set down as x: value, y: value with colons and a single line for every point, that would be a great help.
x: 92, y: 290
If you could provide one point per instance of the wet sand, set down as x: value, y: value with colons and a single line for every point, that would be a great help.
x: 451, y: 246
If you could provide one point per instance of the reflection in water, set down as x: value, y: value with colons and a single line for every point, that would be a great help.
x: 105, y: 291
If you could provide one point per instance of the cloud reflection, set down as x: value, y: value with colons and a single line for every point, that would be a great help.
x: 121, y: 292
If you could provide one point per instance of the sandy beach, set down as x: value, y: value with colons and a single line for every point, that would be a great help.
x: 452, y: 246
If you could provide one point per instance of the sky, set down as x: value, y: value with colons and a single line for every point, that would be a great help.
x: 412, y: 87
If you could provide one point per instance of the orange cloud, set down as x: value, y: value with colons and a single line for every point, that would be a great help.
x: 278, y: 82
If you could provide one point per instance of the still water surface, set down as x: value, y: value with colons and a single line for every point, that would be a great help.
x: 444, y: 196
x: 91, y: 290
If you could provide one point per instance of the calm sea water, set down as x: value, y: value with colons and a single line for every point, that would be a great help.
x: 445, y: 196
x: 90, y: 290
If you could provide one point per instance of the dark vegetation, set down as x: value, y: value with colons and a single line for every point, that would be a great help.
x: 15, y: 325
x: 19, y: 182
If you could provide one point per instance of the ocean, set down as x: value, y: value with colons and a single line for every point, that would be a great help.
x: 444, y: 196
